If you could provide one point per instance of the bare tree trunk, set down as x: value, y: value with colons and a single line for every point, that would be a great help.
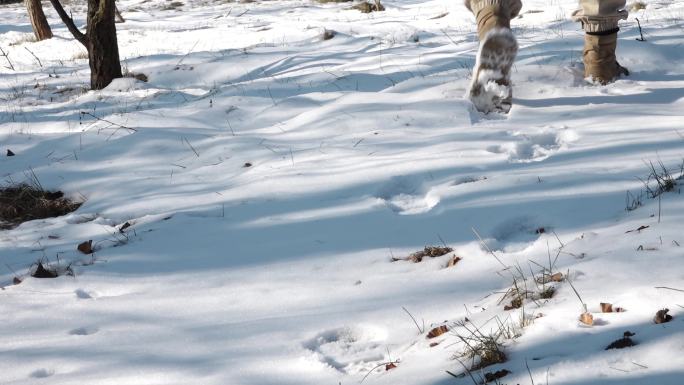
x: 41, y: 28
x: 103, y: 48
x: 99, y: 39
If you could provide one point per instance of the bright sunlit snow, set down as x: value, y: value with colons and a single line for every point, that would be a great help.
x: 270, y: 176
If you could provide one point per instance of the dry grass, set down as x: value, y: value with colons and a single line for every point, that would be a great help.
x: 428, y: 251
x: 366, y: 7
x: 23, y: 202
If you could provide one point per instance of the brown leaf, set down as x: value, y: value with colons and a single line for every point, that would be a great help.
x: 558, y: 277
x: 86, y: 247
x: 16, y: 280
x: 606, y: 307
x: 390, y: 365
x: 662, y: 316
x: 124, y: 227
x: 438, y: 331
x: 453, y: 261
x: 619, y: 309
x: 587, y: 319
x: 433, y: 344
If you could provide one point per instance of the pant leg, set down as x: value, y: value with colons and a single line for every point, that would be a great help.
x: 475, y: 6
x: 600, y: 15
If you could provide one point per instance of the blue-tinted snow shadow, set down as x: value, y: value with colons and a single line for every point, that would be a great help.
x: 582, y: 346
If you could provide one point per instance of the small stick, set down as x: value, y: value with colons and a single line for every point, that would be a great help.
x: 192, y: 148
x: 669, y: 288
x: 487, y: 247
x: 5, y: 54
x: 414, y: 320
x: 576, y: 293
x: 34, y: 55
x: 529, y: 371
x: 641, y: 34
x: 107, y: 121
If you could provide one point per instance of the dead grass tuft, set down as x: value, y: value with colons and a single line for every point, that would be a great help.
x: 23, y: 202
x: 428, y: 251
x: 366, y: 7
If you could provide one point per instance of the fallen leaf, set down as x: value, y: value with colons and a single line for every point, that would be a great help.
x: 433, y: 344
x: 16, y: 280
x: 453, y: 261
x: 124, y: 227
x: 438, y: 331
x: 606, y: 307
x: 662, y: 316
x: 389, y: 366
x: 9, y: 152
x: 490, y: 377
x: 86, y: 247
x: 587, y: 319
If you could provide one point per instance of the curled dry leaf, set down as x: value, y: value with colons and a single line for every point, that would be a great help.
x: 606, y: 307
x: 587, y: 319
x: 662, y: 316
x: 390, y: 365
x: 438, y: 331
x: 86, y: 247
x: 433, y: 344
x: 16, y: 280
x: 453, y: 261
x: 494, y: 376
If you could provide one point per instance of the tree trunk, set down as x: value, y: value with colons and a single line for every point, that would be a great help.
x: 41, y: 28
x: 99, y: 39
x: 103, y: 48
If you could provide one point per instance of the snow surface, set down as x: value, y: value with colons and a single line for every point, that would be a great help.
x: 361, y: 148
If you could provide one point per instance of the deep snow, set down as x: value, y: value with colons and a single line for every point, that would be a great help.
x: 361, y: 148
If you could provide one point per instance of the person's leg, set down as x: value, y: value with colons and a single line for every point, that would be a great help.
x: 599, y: 20
x: 490, y: 88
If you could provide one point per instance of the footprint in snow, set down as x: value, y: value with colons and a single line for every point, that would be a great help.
x: 408, y: 196
x: 83, y: 331
x: 350, y: 350
x: 534, y: 147
x: 42, y: 373
x: 516, y: 234
x: 83, y: 294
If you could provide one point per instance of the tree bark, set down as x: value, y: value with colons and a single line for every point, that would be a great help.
x: 103, y: 48
x: 41, y: 28
x: 99, y: 39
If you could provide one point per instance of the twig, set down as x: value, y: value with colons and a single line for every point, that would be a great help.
x: 188, y: 53
x: 640, y: 34
x: 529, y: 371
x: 487, y: 247
x: 191, y: 147
x: 107, y: 121
x: 34, y: 55
x: 442, y: 240
x: 414, y: 321
x: 669, y: 288
x: 576, y: 293
x: 5, y: 54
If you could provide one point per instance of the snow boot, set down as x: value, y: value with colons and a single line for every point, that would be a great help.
x: 600, y: 63
x: 490, y: 89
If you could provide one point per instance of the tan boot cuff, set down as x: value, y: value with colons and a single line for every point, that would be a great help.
x: 475, y: 6
x: 598, y: 23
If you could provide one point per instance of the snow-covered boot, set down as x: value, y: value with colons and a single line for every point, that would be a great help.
x: 600, y: 63
x: 490, y: 89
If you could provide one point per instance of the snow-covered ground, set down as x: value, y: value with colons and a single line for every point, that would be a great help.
x: 270, y: 175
